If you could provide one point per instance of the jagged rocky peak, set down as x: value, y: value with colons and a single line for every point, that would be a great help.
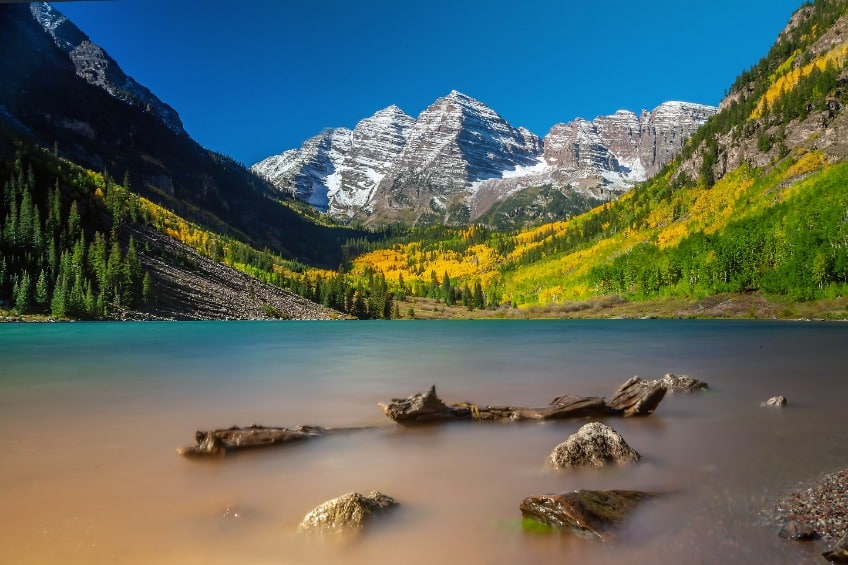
x: 337, y: 170
x: 624, y: 143
x: 94, y: 65
x: 468, y: 137
x: 578, y: 145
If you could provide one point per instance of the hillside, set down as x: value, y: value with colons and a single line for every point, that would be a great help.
x: 63, y: 92
x: 74, y: 244
x: 756, y: 203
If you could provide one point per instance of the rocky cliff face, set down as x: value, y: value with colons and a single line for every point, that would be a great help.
x: 96, y: 67
x: 338, y: 170
x: 459, y: 157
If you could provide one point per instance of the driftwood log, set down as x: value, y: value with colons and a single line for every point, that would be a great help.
x: 635, y: 397
x: 219, y: 442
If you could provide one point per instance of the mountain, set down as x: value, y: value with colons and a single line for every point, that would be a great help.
x: 61, y: 91
x: 459, y: 158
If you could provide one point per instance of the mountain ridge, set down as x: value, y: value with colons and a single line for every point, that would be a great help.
x: 459, y: 157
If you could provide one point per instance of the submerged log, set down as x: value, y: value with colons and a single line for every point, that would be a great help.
x: 634, y: 398
x: 219, y: 442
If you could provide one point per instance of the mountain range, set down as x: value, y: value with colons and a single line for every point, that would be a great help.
x: 459, y: 158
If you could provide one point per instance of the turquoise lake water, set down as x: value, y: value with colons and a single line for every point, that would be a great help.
x: 92, y: 414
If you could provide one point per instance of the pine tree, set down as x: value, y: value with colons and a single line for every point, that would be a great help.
x: 114, y: 274
x: 41, y: 289
x: 74, y: 222
x: 447, y: 291
x: 22, y: 292
x: 478, y: 300
x: 146, y: 287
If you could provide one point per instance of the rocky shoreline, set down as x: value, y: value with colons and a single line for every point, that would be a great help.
x: 822, y: 507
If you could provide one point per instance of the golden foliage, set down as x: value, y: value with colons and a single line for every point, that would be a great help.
x: 787, y: 80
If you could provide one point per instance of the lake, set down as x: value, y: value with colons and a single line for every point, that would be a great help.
x: 92, y: 414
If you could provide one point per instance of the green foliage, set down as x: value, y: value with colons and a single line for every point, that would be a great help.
x: 533, y: 206
x: 47, y: 261
x: 797, y: 248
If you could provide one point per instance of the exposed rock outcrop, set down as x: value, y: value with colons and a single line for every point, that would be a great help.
x: 96, y: 67
x: 590, y: 513
x: 347, y: 513
x: 593, y: 445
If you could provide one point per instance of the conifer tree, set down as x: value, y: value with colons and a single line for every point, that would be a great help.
x: 22, y: 292
x: 41, y: 289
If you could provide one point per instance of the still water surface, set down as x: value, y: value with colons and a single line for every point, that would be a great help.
x: 92, y: 413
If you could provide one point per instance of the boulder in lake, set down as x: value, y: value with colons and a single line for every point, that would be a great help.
x: 774, y: 402
x: 682, y: 384
x: 839, y: 552
x: 593, y: 445
x: 637, y: 397
x: 591, y: 513
x: 349, y: 512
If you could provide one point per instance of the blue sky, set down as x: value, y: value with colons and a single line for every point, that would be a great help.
x: 253, y: 78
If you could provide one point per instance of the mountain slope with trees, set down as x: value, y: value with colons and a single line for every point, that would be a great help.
x: 756, y: 203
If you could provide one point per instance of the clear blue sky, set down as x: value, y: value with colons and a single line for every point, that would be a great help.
x: 251, y: 78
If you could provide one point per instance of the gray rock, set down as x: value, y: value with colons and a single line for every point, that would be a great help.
x: 591, y: 513
x: 418, y: 408
x: 594, y: 445
x: 349, y: 512
x: 637, y: 397
x: 839, y: 552
x: 774, y: 401
x: 797, y: 531
x: 676, y: 384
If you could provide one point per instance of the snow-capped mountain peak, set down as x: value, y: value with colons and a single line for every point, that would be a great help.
x: 459, y: 156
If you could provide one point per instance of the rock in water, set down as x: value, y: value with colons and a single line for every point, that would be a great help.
x: 774, y: 402
x: 349, y: 512
x: 677, y: 384
x: 637, y: 397
x: 797, y: 531
x: 593, y: 513
x: 839, y: 553
x: 420, y: 407
x: 594, y: 445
